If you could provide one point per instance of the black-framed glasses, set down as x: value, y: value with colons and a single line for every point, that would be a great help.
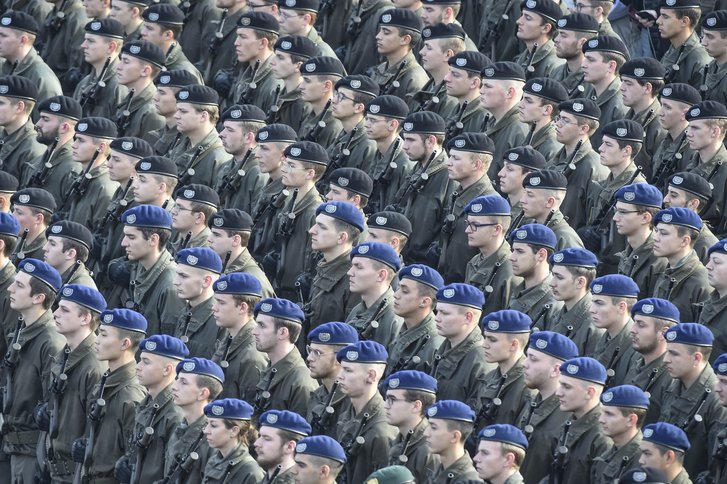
x: 341, y: 96
x: 474, y: 225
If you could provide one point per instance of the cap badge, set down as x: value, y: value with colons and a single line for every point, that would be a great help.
x: 562, y: 23
x: 521, y: 234
x: 513, y: 156
x: 386, y: 18
x: 236, y: 114
x: 621, y: 132
x: 578, y: 107
x: 671, y: 3
x: 666, y: 218
x: 597, y: 288
x: 489, y: 72
x: 541, y: 344
x: 24, y: 198
x: 356, y: 84
x: 295, y: 151
x: 189, y: 193
x: 56, y: 229
x: 476, y: 208
x: 629, y: 196
x: 490, y: 432
x: 722, y: 368
x: 145, y: 165
x: 55, y: 107
x: 666, y: 91
x: 417, y: 272
x: 222, y: 285
x: 218, y: 410
x: 150, y: 345
x: 342, y: 181
x: 572, y: 369
x: 183, y: 94
x: 607, y: 397
x: 245, y: 21
x: 4, y: 89
x: 192, y: 260
x: 432, y: 411
x: 374, y: 108
x: 330, y: 208
x: 448, y: 293
x: 535, y: 181
x: 531, y: 4
x: 711, y: 21
x: 671, y: 335
x: 153, y: 16
x: 324, y: 337
x: 134, y: 49
x: 218, y: 221
x: 286, y: 44
x: 108, y: 318
x: 648, y: 433
x: 310, y: 67
x: 263, y: 135
x: 677, y: 180
x: 493, y: 325
x: 647, y: 308
x: 639, y: 72
x: 426, y: 33
x: 593, y: 43
x: 67, y: 291
x: 461, y: 62
x: 558, y: 257
x: 639, y: 476
x: 363, y: 249
x: 82, y: 127
x: 127, y: 145
x: 408, y: 126
x: 393, y: 383
x: 6, y: 20
x: 381, y: 220
x: 300, y: 448
x: 695, y: 112
x: 266, y: 307
x: 459, y: 143
x: 290, y: 3
x: 536, y: 87
x: 165, y: 79
x: 352, y: 355
x: 131, y: 219
x: 271, y: 417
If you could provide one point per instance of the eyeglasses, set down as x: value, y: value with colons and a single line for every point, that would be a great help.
x: 317, y: 353
x: 288, y: 16
x: 341, y: 96
x: 474, y: 225
x: 563, y: 121
x: 581, y: 6
x: 177, y: 208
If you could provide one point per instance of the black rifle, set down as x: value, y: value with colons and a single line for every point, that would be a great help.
x: 610, y: 372
x: 124, y: 120
x: 350, y: 448
x: 455, y: 129
x: 493, y: 35
x: 183, y: 464
x: 667, y: 167
x: 94, y: 418
x: 40, y: 177
x: 416, y: 184
x: 531, y: 133
x: 142, y: 443
x: 185, y: 327
x: 246, y: 96
x: 695, y: 415
x: 115, y: 213
x: 558, y: 464
x: 13, y: 67
x: 393, y: 83
x: 90, y: 95
x: 186, y: 175
x: 579, y: 87
x: 272, y: 116
x: 312, y: 135
x: 367, y: 330
x: 674, y: 68
x: 515, y: 225
x: 570, y: 166
x: 425, y: 105
x: 12, y: 356
x: 19, y: 253
x: 214, y: 46
x: 54, y: 22
x: 80, y: 184
x: 704, y: 87
x: 337, y: 161
x: 384, y: 179
x: 230, y: 183
x: 529, y: 69
x: 319, y: 423
x: 57, y: 389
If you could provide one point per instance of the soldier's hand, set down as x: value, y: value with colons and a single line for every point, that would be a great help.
x: 95, y: 253
x: 41, y: 477
x: 433, y: 253
x: 120, y: 273
x: 78, y: 450
x: 122, y: 470
x: 222, y: 82
x: 270, y: 264
x: 41, y: 415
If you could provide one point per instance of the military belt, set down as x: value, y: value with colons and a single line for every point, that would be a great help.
x: 61, y: 468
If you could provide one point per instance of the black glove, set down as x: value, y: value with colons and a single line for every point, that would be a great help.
x: 42, y: 477
x: 122, y: 470
x: 340, y: 52
x: 41, y: 415
x: 303, y: 283
x: 270, y: 264
x: 223, y: 82
x: 433, y: 253
x: 71, y: 78
x: 119, y: 273
x: 95, y: 253
x: 78, y: 450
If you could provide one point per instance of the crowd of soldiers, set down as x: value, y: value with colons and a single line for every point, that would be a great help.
x: 318, y: 241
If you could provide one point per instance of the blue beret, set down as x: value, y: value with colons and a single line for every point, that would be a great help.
x: 488, y: 205
x: 720, y: 364
x: 719, y: 247
x: 244, y: 112
x: 546, y: 179
x: 201, y: 366
x: 231, y: 408
x: 144, y: 50
x: 286, y: 420
x: 716, y: 20
x: 280, y: 308
x: 426, y: 122
x: 411, y: 380
x: 165, y: 345
x: 640, y: 194
x: 707, y: 110
x: 680, y: 92
x: 461, y: 295
x: 547, y: 9
x: 625, y: 396
x: 679, y: 216
x: 422, y: 274
x: 554, y: 344
x: 624, y: 130
x: 546, y: 88
x: 147, y: 216
x: 71, y: 230
x: 535, y: 234
x: 321, y: 446
x: 239, y: 283
x: 507, y: 321
x: 18, y: 87
x: 388, y: 106
x: 392, y: 221
x: 690, y: 334
x: 504, y: 71
x: 643, y: 475
x: 125, y: 319
x: 646, y: 68
x: 276, y: 133
x: 574, y: 256
x: 198, y: 193
x: 201, y: 258
x: 34, y: 197
x: 616, y: 285
x: 472, y: 142
x: 578, y: 22
x: 606, y: 43
x: 105, y: 27
x: 42, y: 271
x: 297, y: 45
x: 96, y: 127
x: 262, y: 21
x: 581, y: 107
x: 363, y: 352
x: 525, y: 156
x: 130, y: 146
x: 231, y: 219
x: 334, y: 333
x: 505, y: 433
x: 85, y: 296
x: 692, y: 183
x: 323, y: 66
x: 157, y: 165
x: 9, y: 225
x: 667, y: 435
x: 343, y: 211
x: 352, y: 179
x: 443, y: 31
x: 472, y: 61
x: 451, y: 410
x: 403, y: 18
x: 656, y: 308
x: 584, y: 368
x: 176, y: 78
x: 308, y: 152
x: 378, y: 251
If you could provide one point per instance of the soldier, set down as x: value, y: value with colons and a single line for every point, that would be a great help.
x: 574, y: 30
x: 600, y: 10
x: 327, y: 402
x: 488, y: 219
x: 415, y: 392
x: 8, y: 186
x: 718, y: 466
x: 198, y: 383
x: 32, y: 208
x: 229, y: 234
x: 56, y: 169
x: 112, y: 407
x: 216, y: 50
x: 541, y: 411
x: 712, y: 85
x: 76, y: 319
x: 500, y: 94
x: 19, y: 137
x: 463, y: 83
x: 539, y: 108
x: 325, y: 295
x: 353, y: 186
x: 285, y: 384
x: 235, y: 297
x: 451, y: 422
x: 447, y: 12
x: 318, y: 459
x: 603, y: 58
x: 532, y: 246
x: 652, y: 317
x: 677, y: 23
x: 59, y: 38
x: 503, y: 389
x: 66, y: 250
x: 516, y: 164
x: 663, y: 448
x: 9, y: 228
x: 168, y: 84
x: 544, y: 192
x: 373, y: 266
x: 500, y: 453
x: 673, y: 154
x: 147, y: 230
x: 141, y: 62
x: 280, y: 431
x: 622, y: 415
x: 21, y: 59
x: 257, y: 33
x: 687, y: 190
x: 498, y: 33
x: 158, y: 359
x: 91, y: 191
x: 359, y: 50
x: 711, y: 314
x: 128, y: 13
x: 391, y: 228
x: 573, y: 270
x: 230, y: 432
x: 155, y: 181
x: 351, y: 148
x: 391, y: 165
x: 577, y: 160
x: 99, y: 91
x: 297, y: 18
x: 291, y: 52
x: 459, y: 362
x: 320, y: 76
x: 684, y: 280
x: 536, y: 29
x: 194, y: 206
x: 27, y: 365
x: 362, y: 428
x: 239, y: 180
x: 580, y: 385
x: 636, y: 206
x: 100, y: 9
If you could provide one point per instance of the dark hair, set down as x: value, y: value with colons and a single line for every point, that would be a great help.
x: 134, y: 336
x: 81, y: 250
x: 428, y: 399
x: 248, y: 433
x: 212, y: 384
x: 251, y: 301
x: 10, y: 243
x: 39, y: 287
x: 294, y: 329
x: 164, y: 235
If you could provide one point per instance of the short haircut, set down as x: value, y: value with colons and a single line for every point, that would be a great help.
x: 244, y: 235
x: 81, y: 249
x: 39, y: 287
x: 455, y: 44
x: 352, y: 232
x: 317, y: 168
x: 656, y: 85
x: 630, y: 301
x: 519, y: 453
x: 46, y: 214
x: 164, y: 235
x: 617, y: 58
x: 294, y: 329
x: 694, y: 14
x: 134, y: 336
x: 213, y: 111
x: 205, y: 208
x: 212, y: 384
x: 635, y: 147
x: 427, y: 398
x: 11, y: 243
x: 170, y: 181
x: 639, y: 412
x: 271, y: 36
x: 588, y: 272
x: 692, y: 233
x: 464, y: 428
x: 251, y: 301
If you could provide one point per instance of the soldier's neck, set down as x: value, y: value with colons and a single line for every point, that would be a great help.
x: 33, y: 232
x: 198, y: 134
x: 336, y: 251
x: 575, y: 63
x: 543, y: 216
x: 206, y: 295
x: 416, y: 318
x: 192, y: 412
x: 98, y: 66
x: 581, y: 412
x: 508, y: 364
x: 456, y: 340
x: 471, y: 180
x: 370, y: 298
x: 655, y: 354
x: 351, y: 122
x: 471, y: 97
x: 280, y: 351
x: 541, y: 41
x: 319, y: 105
x: 602, y: 84
x: 487, y: 251
x: 361, y: 401
x: 235, y: 330
x: 624, y: 438
x: 503, y: 476
x: 125, y: 358
x: 617, y: 326
x: 139, y: 85
x: 155, y: 389
x: 621, y: 167
x: 262, y: 56
x: 548, y: 388
x: 680, y: 38
x: 32, y: 314
x: 570, y: 146
x: 330, y: 379
x: 132, y: 25
x: 75, y: 339
x: 539, y: 273
x: 515, y: 197
x: 499, y: 112
x: 150, y: 259
x: 451, y: 455
x: 15, y: 124
x: 229, y: 447
x: 570, y: 303
x: 639, y: 238
x: 438, y: 74
x: 383, y: 144
x: 20, y: 55
x: 65, y: 266
x: 397, y: 56
x: 292, y: 82
x: 689, y: 379
x: 286, y: 463
x: 677, y: 131
x: 409, y: 425
x: 721, y: 59
x: 643, y: 104
x: 708, y: 152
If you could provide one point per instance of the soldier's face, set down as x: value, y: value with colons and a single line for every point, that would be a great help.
x: 714, y: 43
x: 53, y: 252
x: 282, y: 65
x: 414, y: 147
x: 645, y: 336
x: 388, y: 40
x: 153, y: 33
x: 523, y: 259
x: 338, y: 194
x: 492, y: 94
x: 217, y: 434
x: 270, y: 447
x: 109, y: 343
x: 164, y: 101
x: 128, y: 70
x: 190, y: 282
x: 313, y: 89
x: 679, y: 360
x: 459, y: 83
x: 353, y: 379
x: 675, y: 197
x: 121, y: 166
x: 94, y: 48
x: 626, y: 219
x: 535, y: 202
x: 478, y: 236
x: 384, y: 236
x: 270, y: 156
x: 612, y: 421
x: 343, y: 105
x: 669, y: 24
x: 188, y: 118
x: 461, y: 165
x: 306, y: 471
x: 432, y: 14
x: 594, y: 67
x: 406, y: 298
x: 247, y: 45
x: 19, y: 291
x: 152, y: 369
x: 667, y: 240
x: 135, y: 245
x: 183, y: 217
x: 530, y: 26
x: 47, y: 128
x: 95, y: 8
x: 123, y: 12
x: 611, y: 154
x: 432, y: 54
x: 295, y: 174
x: 83, y: 148
x: 567, y: 45
x: 233, y: 137
x: 293, y: 22
x: 376, y: 127
x: 564, y: 285
x: 539, y: 368
x: 364, y: 277
x: 701, y: 135
x: 511, y: 178
x: 226, y: 312
x: 68, y: 317
x: 567, y: 129
x: 439, y: 437
x: 185, y: 391
x: 498, y: 346
x: 322, y: 361
x: 8, y: 111
x: 720, y: 388
x: 146, y: 188
x: 398, y: 410
x: 651, y: 456
x: 572, y: 393
x: 490, y: 460
x: 531, y: 108
x: 25, y: 217
x: 220, y: 242
x: 324, y: 234
x: 450, y: 320
x: 266, y: 337
x: 671, y: 113
x: 604, y: 312
x: 717, y: 272
x: 9, y: 41
x: 631, y: 91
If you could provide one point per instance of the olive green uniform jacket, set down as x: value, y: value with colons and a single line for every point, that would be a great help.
x: 289, y: 383
x: 691, y: 59
x: 537, y: 302
x: 542, y: 422
x: 615, y: 354
x: 330, y: 297
x: 471, y: 116
x: 291, y: 109
x: 245, y: 263
x: 143, y: 118
x: 321, y: 129
x: 716, y: 83
x: 413, y: 348
x: 507, y: 133
x: 713, y: 171
x: 241, y: 362
x: 434, y: 98
x: 654, y: 135
x: 198, y: 326
x: 641, y: 265
x: 8, y: 316
x: 670, y: 157
x: 544, y: 142
x: 322, y: 422
x: 176, y: 60
x: 362, y: 317
x: 61, y: 48
x: 262, y: 95
x: 89, y: 208
x: 361, y: 51
x: 265, y: 220
x: 544, y: 62
x: 503, y: 45
x: 33, y: 67
x: 493, y: 272
x: 653, y: 379
x: 224, y: 56
x: 361, y: 154
x: 571, y: 81
x: 388, y: 179
x: 458, y: 369
x: 244, y: 192
x: 714, y: 317
x: 59, y: 176
x: 564, y: 233
x: 188, y: 438
x: 612, y: 464
x: 611, y: 105
x: 462, y: 470
x: 411, y: 451
x: 201, y: 20
x: 684, y: 285
x: 411, y: 78
x: 205, y: 158
x: 106, y: 98
x: 577, y: 325
x: 509, y: 388
x: 18, y: 147
x: 238, y: 467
